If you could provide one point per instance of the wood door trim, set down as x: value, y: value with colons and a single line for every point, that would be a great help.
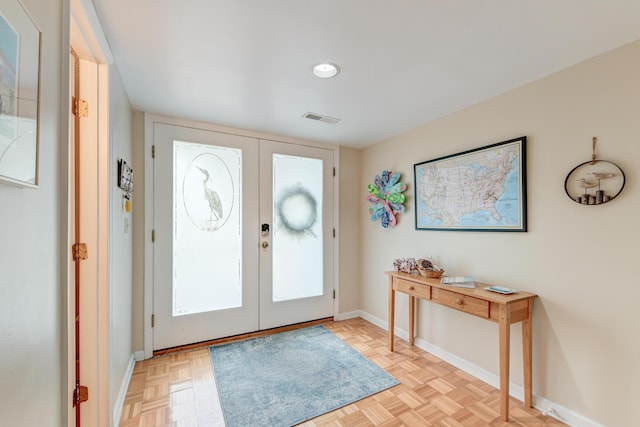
x: 78, y: 397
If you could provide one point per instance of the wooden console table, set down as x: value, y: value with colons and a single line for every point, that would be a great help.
x: 502, y: 309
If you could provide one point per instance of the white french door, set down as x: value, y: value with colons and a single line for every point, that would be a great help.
x: 296, y: 255
x: 242, y: 234
x: 206, y: 247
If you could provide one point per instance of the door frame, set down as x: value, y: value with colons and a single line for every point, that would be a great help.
x: 149, y: 121
x: 88, y: 41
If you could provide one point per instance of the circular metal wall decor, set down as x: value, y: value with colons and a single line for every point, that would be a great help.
x: 594, y: 182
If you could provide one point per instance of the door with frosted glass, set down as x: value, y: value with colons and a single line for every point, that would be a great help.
x: 296, y: 242
x: 243, y: 235
x: 205, y: 203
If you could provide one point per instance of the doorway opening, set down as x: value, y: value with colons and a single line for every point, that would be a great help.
x: 88, y: 225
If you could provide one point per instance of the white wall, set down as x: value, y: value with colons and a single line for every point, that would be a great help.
x: 349, y: 229
x: 580, y: 260
x: 121, y: 254
x: 137, y: 325
x: 33, y: 252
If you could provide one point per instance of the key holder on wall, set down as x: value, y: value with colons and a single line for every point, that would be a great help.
x: 125, y: 182
x: 594, y: 182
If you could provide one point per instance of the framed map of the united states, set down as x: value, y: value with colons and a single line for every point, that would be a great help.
x: 483, y: 189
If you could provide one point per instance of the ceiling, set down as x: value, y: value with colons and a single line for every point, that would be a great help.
x: 247, y: 63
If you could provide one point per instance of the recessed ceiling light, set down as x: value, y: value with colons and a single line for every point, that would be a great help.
x: 325, y: 70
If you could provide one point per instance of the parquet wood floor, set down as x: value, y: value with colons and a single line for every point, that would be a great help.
x: 178, y: 389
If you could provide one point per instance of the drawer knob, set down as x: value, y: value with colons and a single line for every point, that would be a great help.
x: 411, y: 288
x: 459, y: 301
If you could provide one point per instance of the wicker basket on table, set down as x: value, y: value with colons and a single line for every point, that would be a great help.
x: 426, y: 269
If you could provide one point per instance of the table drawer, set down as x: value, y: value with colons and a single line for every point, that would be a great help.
x: 461, y: 302
x: 413, y: 288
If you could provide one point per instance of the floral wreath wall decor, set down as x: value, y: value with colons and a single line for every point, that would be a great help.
x: 386, y: 195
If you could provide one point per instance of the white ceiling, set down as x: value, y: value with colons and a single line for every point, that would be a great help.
x: 247, y: 63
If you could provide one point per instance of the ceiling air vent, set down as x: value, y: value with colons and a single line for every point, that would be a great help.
x: 321, y: 118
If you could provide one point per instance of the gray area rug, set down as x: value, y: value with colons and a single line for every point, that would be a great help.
x: 290, y: 377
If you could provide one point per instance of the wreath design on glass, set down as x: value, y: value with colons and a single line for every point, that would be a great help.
x: 386, y: 195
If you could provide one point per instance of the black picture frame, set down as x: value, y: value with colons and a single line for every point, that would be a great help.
x: 483, y: 189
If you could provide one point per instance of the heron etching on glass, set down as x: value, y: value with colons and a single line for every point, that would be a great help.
x: 211, y: 196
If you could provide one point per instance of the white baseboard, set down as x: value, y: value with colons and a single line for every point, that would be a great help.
x: 378, y: 322
x: 544, y: 405
x: 122, y: 393
x: 348, y: 315
x: 138, y: 355
x: 559, y: 412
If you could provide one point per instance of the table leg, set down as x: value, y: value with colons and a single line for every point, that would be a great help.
x: 527, y: 356
x: 412, y: 316
x: 505, y: 324
x: 392, y: 305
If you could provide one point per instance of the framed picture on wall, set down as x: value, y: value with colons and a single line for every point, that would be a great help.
x: 483, y: 189
x: 19, y: 90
